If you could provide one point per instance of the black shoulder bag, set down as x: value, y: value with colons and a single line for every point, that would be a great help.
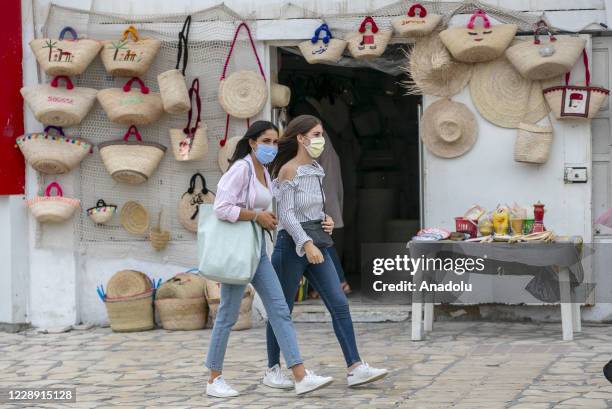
x: 314, y: 229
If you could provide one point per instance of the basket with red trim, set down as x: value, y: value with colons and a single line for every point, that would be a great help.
x: 416, y: 24
x: 53, y: 209
x: 369, y: 41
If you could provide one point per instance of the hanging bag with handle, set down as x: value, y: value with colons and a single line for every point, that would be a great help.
x: 131, y: 106
x: 575, y: 101
x: 540, y: 59
x: 65, y: 56
x: 314, y: 229
x: 101, y: 213
x: 188, y: 208
x: 369, y: 41
x: 129, y: 57
x: 54, y: 104
x: 322, y: 49
x: 533, y: 141
x: 52, y: 209
x: 53, y: 154
x: 131, y: 162
x: 416, y: 23
x: 228, y: 252
x: 475, y: 43
x: 244, y: 93
x: 191, y: 143
x: 172, y: 86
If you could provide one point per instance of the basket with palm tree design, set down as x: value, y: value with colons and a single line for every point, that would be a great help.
x: 65, y: 56
x: 129, y: 57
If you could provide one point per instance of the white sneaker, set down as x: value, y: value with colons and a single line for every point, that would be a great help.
x: 275, y: 378
x: 311, y: 382
x: 364, y: 373
x: 220, y: 389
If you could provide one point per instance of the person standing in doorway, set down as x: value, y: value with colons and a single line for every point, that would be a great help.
x: 300, y: 199
x: 246, y: 184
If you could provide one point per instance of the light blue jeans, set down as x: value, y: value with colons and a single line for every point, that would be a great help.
x: 269, y: 289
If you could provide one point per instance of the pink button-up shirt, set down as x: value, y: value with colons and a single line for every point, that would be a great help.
x: 232, y: 189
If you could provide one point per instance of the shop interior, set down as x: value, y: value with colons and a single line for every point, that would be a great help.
x: 373, y: 127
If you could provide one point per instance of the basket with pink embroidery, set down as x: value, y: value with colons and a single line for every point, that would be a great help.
x: 101, y: 213
x: 53, y: 154
x: 53, y: 209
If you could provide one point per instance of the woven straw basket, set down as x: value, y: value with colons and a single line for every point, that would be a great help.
x: 173, y: 90
x: 191, y: 199
x: 532, y: 144
x: 128, y: 283
x: 131, y: 314
x: 280, y: 95
x: 415, y: 24
x: 368, y: 42
x: 159, y: 237
x: 53, y: 155
x: 533, y: 62
x: 101, y: 213
x: 134, y: 218
x: 129, y: 57
x: 180, y: 143
x: 182, y: 314
x: 246, y: 307
x: 54, y: 105
x: 226, y: 152
x: 129, y: 106
x: 65, y: 57
x: 243, y: 94
x: 131, y: 162
x: 478, y: 44
x: 326, y: 49
x: 52, y: 209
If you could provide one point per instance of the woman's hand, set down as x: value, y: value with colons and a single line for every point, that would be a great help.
x: 313, y: 254
x: 267, y: 220
x: 328, y: 225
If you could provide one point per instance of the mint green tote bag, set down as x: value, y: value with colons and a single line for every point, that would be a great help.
x: 228, y: 252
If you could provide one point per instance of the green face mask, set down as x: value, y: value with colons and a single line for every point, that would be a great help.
x: 316, y: 147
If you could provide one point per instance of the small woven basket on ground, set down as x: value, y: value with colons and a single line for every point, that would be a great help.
x: 127, y: 283
x: 131, y: 314
x: 181, y: 303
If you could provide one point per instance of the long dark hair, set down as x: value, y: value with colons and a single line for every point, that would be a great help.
x: 288, y: 143
x: 243, y: 148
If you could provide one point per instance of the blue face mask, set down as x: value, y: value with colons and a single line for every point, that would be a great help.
x: 265, y: 153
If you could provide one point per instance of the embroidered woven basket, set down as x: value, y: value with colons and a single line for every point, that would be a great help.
x: 478, y: 44
x: 131, y: 314
x: 532, y: 144
x: 101, y: 213
x: 54, y: 105
x: 129, y: 57
x: 52, y: 209
x: 129, y: 106
x: 190, y: 200
x: 326, y: 49
x: 131, y: 162
x: 191, y: 142
x: 53, y: 154
x: 65, y: 56
x: 368, y: 42
x: 415, y: 24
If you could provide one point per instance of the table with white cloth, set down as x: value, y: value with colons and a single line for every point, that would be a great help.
x: 556, y: 267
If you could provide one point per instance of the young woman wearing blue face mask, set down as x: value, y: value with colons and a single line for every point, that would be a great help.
x: 247, y: 176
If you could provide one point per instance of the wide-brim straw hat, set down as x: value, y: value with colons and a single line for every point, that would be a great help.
x: 449, y: 128
x: 227, y: 151
x: 433, y: 71
x: 127, y: 283
x: 134, y: 218
x: 243, y: 94
x: 504, y: 97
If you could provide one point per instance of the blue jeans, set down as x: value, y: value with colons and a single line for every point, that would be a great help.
x: 269, y: 289
x: 290, y: 267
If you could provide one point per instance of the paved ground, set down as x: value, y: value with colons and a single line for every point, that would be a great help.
x: 467, y: 365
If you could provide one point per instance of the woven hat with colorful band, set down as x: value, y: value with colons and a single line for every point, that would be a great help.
x: 65, y: 56
x: 53, y: 154
x: 322, y: 49
x: 191, y: 142
x: 131, y: 162
x: 172, y: 86
x: 129, y: 57
x: 188, y: 205
x: 53, y: 104
x: 52, y: 209
x: 131, y: 106
x: 478, y: 43
x: 545, y: 59
x: 574, y: 101
x: 416, y: 24
x: 243, y: 94
x: 369, y: 41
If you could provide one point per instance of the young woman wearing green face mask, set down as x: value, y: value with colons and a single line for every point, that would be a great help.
x: 300, y: 249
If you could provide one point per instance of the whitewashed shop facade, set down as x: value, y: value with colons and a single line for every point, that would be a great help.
x: 49, y: 288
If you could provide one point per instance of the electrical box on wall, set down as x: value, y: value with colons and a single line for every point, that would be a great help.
x: 575, y: 174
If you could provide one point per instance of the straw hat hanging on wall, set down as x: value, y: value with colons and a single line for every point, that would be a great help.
x: 504, y: 97
x: 449, y: 128
x: 433, y: 71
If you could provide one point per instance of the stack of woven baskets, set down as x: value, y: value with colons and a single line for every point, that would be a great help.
x: 181, y: 303
x: 129, y: 301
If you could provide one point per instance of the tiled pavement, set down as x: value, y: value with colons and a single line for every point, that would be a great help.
x: 466, y: 365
